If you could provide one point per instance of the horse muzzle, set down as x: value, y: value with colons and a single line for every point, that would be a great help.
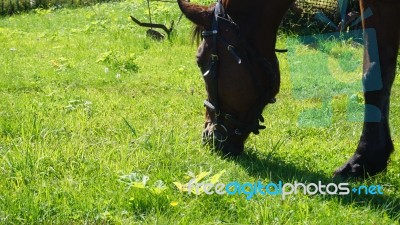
x: 217, y: 137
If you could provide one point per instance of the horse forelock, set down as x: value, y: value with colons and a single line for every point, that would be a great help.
x: 197, y: 30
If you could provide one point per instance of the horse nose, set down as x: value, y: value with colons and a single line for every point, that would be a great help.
x: 220, y: 142
x: 214, y: 139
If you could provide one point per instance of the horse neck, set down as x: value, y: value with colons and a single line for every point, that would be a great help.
x: 259, y: 21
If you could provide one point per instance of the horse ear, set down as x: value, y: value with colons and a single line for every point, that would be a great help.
x: 199, y: 15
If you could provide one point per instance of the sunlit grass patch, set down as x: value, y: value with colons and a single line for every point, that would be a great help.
x: 97, y: 123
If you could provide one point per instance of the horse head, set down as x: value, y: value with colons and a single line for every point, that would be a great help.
x: 240, y: 69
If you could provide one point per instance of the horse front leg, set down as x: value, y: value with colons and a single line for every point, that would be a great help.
x: 382, y: 34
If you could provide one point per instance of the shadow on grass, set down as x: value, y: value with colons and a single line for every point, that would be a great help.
x: 268, y: 166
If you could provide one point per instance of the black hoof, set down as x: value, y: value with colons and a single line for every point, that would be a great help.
x: 360, y: 166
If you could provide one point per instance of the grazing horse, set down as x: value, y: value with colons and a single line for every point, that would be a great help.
x: 241, y: 73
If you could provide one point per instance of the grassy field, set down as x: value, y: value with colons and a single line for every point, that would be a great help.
x: 100, y: 125
x: 11, y: 7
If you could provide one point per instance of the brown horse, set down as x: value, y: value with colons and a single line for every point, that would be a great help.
x: 241, y: 73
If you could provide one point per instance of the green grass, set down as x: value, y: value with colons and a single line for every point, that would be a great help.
x: 10, y: 7
x: 90, y: 106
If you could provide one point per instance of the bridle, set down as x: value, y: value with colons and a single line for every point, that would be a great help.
x: 220, y: 131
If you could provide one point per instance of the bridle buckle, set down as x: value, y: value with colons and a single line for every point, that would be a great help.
x: 238, y: 132
x: 214, y: 57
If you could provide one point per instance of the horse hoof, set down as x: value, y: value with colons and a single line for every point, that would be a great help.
x: 360, y: 166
